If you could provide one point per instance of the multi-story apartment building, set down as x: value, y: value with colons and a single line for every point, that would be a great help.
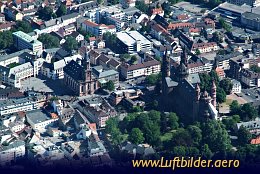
x: 12, y: 152
x: 145, y: 68
x: 14, y: 76
x: 55, y: 24
x: 15, y: 105
x: 222, y: 61
x: 133, y: 41
x: 97, y: 29
x: 25, y: 41
x: 6, y: 60
x: 204, y: 47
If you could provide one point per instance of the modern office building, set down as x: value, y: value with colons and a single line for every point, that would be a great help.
x: 25, y: 41
x: 133, y: 41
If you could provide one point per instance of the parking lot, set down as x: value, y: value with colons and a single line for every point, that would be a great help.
x: 193, y: 8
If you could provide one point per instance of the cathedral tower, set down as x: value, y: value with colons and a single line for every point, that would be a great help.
x: 182, y: 71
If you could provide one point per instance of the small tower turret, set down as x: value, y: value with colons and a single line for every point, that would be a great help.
x: 197, y: 92
x: 214, y: 94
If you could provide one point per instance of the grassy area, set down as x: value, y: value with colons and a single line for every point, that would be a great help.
x: 167, y: 136
x: 228, y: 101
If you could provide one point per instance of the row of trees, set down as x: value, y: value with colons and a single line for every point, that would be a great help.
x: 246, y: 112
x: 142, y: 127
x: 46, y: 13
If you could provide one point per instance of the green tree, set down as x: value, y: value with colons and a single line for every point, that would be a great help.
x: 116, y: 137
x: 62, y: 10
x: 152, y: 133
x: 110, y: 85
x: 229, y: 123
x: 221, y: 95
x: 255, y: 68
x: 70, y: 44
x: 244, y: 136
x: 13, y: 65
x: 196, y: 134
x: 6, y: 39
x: 173, y: 121
x: 179, y: 151
x: 248, y: 112
x: 206, y: 152
x: 113, y: 130
x: 234, y: 107
x: 226, y: 85
x: 111, y: 124
x: 142, y: 6
x: 111, y: 40
x: 100, y: 1
x: 217, y: 38
x: 133, y: 59
x: 152, y: 79
x: 224, y: 25
x: 137, y: 109
x: 23, y: 26
x: 45, y: 13
x: 155, y: 116
x: 181, y: 137
x: 49, y: 41
x: 197, y: 52
x: 215, y: 135
x: 136, y: 136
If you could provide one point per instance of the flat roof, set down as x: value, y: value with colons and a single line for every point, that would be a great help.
x: 125, y: 38
x: 37, y: 116
x: 26, y: 37
x: 252, y: 16
x: 137, y: 36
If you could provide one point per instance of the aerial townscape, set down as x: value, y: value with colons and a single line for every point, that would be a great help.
x: 99, y: 83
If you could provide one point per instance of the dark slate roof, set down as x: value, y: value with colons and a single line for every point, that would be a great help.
x: 48, y: 65
x: 61, y: 53
x: 75, y: 34
x: 74, y: 70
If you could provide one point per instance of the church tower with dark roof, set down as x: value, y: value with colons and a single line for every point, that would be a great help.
x: 182, y: 70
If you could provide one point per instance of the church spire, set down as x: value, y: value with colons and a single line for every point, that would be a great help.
x: 166, y: 65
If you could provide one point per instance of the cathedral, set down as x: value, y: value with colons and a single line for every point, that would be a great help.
x: 181, y: 92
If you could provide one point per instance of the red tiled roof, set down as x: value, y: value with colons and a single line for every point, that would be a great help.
x: 89, y: 23
x: 194, y: 30
x: 182, y: 17
x: 92, y: 38
x: 156, y: 11
x: 255, y: 141
x: 179, y: 25
x: 203, y: 45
